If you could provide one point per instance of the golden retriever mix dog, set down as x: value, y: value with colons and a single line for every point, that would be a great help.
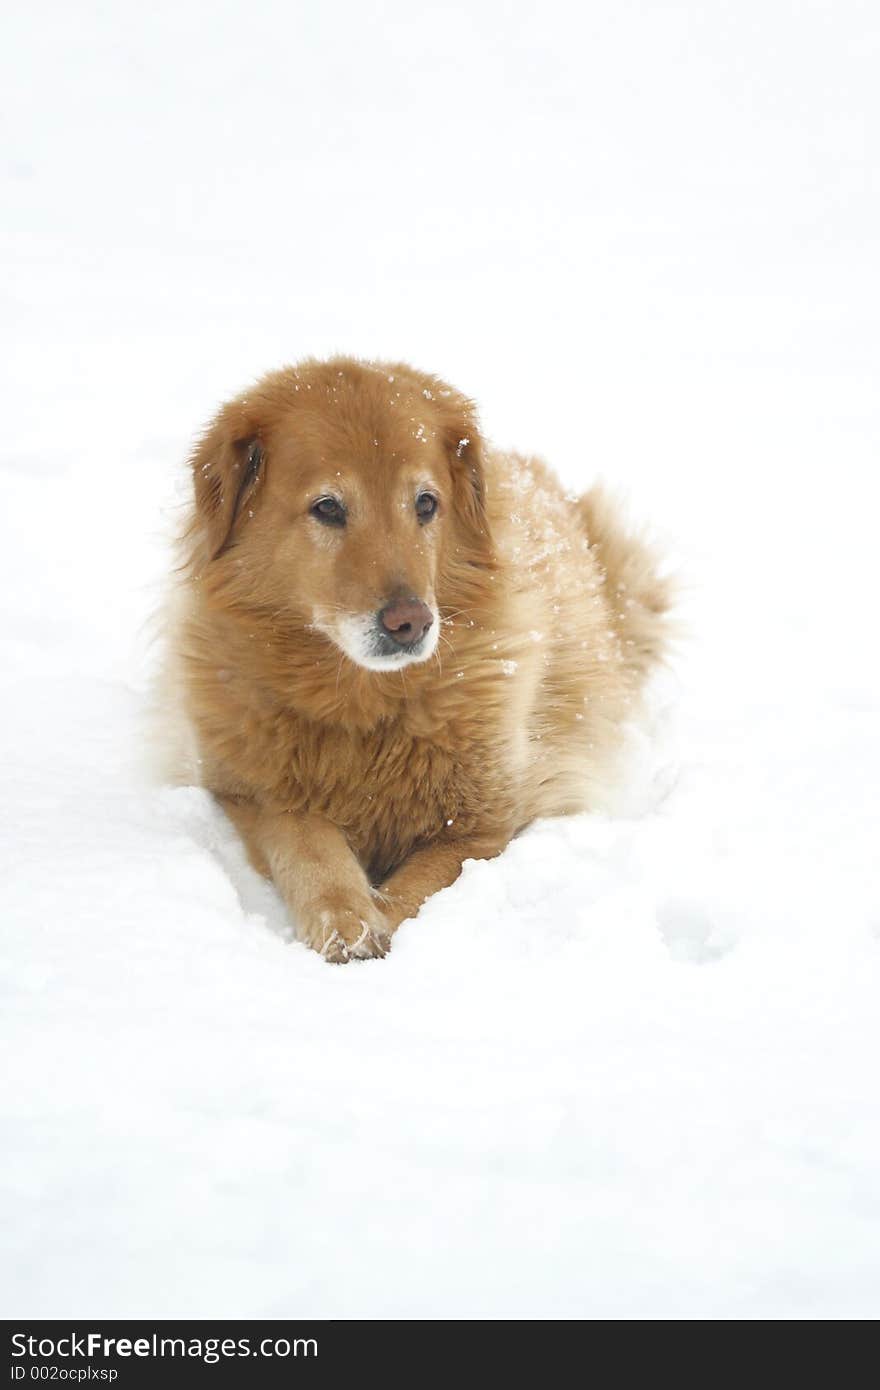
x: 393, y: 646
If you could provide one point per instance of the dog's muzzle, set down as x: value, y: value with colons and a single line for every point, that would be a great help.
x: 401, y: 633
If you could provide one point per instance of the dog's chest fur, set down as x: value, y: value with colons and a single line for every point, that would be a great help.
x: 417, y: 775
x: 388, y: 789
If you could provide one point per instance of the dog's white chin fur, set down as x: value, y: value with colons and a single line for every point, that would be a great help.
x: 354, y: 636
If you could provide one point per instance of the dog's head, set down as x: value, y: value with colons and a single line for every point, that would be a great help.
x: 346, y: 495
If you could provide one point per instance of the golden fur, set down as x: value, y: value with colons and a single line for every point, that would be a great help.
x: 361, y: 791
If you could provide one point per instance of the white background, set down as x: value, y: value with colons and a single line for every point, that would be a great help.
x: 629, y: 1069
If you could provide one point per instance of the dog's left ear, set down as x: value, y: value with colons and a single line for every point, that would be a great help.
x: 228, y: 464
x: 465, y: 447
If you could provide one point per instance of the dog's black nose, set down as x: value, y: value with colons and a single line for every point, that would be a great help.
x: 405, y: 620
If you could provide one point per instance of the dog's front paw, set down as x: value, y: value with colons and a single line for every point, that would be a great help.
x: 343, y: 934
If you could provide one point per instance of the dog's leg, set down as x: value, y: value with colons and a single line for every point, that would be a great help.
x: 326, y: 891
x: 429, y: 869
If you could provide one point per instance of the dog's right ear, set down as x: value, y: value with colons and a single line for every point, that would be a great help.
x: 228, y: 464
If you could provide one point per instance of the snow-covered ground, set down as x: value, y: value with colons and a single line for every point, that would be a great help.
x: 630, y: 1068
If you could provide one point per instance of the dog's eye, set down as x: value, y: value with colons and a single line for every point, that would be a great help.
x: 328, y: 510
x: 426, y: 506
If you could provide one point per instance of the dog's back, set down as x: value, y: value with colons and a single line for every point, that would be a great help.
x: 591, y: 606
x: 639, y: 596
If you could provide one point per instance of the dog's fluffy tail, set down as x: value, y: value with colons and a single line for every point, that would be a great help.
x: 639, y: 595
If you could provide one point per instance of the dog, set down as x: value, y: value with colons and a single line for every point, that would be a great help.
x: 393, y: 646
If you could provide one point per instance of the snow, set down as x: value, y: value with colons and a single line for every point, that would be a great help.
x: 628, y: 1069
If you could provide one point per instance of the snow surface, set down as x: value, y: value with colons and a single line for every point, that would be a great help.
x: 630, y: 1068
